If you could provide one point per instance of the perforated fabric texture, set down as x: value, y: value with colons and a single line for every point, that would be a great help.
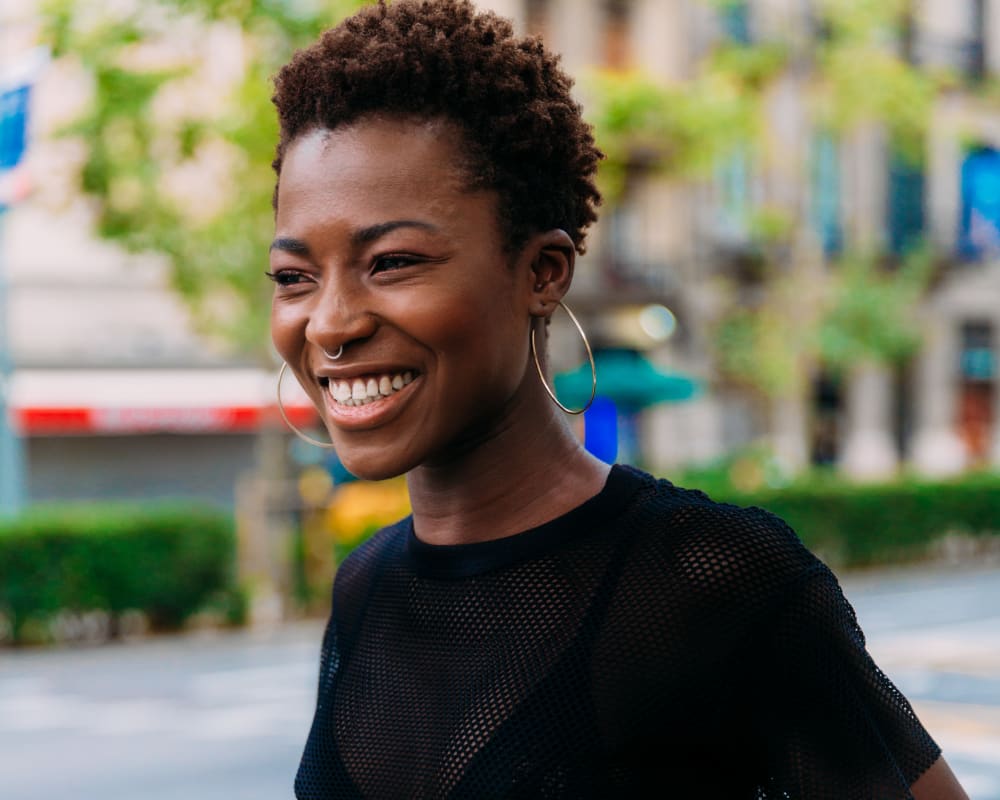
x: 650, y: 643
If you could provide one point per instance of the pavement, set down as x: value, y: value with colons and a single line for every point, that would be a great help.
x: 936, y: 634
x: 212, y: 715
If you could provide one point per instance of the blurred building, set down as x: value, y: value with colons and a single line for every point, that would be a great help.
x: 114, y: 392
x: 117, y: 395
x: 939, y: 413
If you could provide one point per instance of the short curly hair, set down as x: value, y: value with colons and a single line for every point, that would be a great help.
x: 526, y: 137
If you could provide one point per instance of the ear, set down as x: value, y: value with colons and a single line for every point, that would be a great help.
x: 551, y: 260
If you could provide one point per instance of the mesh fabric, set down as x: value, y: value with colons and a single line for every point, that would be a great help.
x: 650, y: 643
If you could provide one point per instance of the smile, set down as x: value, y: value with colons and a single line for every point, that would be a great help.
x: 366, y: 389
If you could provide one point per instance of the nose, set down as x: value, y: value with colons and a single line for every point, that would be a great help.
x: 341, y: 316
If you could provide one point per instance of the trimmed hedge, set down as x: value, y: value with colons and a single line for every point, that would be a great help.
x: 167, y: 562
x: 867, y: 524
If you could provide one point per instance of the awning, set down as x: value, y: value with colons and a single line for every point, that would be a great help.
x: 628, y: 378
x: 55, y: 402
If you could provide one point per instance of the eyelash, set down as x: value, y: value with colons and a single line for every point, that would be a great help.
x: 285, y: 277
x: 400, y: 260
x: 289, y: 277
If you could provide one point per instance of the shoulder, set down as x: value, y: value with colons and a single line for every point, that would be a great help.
x: 712, y: 543
x: 355, y: 575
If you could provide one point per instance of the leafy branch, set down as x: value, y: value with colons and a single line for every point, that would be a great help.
x: 179, y: 135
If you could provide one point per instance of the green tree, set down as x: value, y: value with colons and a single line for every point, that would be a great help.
x: 178, y: 138
x: 179, y: 135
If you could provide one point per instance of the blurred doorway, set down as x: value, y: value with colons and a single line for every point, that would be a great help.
x: 977, y: 390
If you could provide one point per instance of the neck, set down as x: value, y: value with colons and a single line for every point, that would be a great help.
x: 516, y: 479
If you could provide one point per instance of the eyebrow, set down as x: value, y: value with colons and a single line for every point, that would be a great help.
x: 361, y: 236
x: 373, y: 232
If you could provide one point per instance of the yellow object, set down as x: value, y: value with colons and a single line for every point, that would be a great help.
x: 360, y: 508
x: 315, y: 484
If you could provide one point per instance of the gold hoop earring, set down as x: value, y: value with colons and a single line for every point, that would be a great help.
x: 590, y: 355
x: 288, y: 422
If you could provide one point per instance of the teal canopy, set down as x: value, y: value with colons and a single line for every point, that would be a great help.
x: 628, y: 378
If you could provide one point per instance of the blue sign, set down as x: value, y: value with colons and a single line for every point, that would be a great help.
x: 980, y: 231
x: 13, y: 125
x: 601, y: 429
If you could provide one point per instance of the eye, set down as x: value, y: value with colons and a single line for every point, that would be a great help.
x: 286, y: 277
x: 390, y: 263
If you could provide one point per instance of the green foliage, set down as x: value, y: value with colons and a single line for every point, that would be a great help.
x: 167, y: 562
x: 759, y: 348
x: 853, y: 525
x: 872, y: 314
x: 862, y: 83
x: 677, y: 130
x: 863, y: 312
x: 171, y: 171
x: 752, y: 66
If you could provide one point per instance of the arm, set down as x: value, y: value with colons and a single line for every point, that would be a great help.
x: 938, y: 783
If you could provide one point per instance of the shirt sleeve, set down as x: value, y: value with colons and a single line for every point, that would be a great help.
x: 829, y: 723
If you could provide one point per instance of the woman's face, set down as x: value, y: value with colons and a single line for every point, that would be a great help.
x: 381, y: 249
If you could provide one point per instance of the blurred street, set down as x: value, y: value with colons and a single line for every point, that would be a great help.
x: 200, y: 717
x: 936, y: 633
x: 207, y: 716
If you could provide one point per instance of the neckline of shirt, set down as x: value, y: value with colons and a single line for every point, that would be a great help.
x: 445, y: 561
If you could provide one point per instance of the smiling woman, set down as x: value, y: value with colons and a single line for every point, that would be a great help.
x: 542, y: 625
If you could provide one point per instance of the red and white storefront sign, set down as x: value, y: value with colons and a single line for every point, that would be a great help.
x: 116, y: 402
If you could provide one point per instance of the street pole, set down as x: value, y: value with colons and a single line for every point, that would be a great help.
x: 11, y: 449
x: 15, y: 92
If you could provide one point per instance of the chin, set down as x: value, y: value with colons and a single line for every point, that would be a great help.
x: 362, y: 463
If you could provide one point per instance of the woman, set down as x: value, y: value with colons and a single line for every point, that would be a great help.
x: 543, y: 625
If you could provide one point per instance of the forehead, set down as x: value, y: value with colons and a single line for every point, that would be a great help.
x: 392, y: 164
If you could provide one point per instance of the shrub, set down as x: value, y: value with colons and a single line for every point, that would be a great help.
x: 167, y: 562
x: 867, y: 524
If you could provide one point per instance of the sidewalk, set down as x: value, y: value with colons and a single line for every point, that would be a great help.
x: 936, y: 632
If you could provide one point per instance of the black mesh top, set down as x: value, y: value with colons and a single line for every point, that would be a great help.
x: 649, y: 643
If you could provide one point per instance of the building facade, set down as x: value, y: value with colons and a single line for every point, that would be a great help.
x: 938, y: 412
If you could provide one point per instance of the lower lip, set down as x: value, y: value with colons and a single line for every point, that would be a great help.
x: 370, y: 415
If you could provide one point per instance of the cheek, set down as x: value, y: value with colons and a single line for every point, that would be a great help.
x: 287, y: 331
x: 487, y: 338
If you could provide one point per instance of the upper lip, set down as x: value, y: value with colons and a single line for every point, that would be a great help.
x: 344, y: 372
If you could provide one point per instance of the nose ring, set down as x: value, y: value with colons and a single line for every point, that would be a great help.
x: 334, y: 356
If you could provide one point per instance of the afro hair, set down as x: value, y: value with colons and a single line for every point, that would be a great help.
x: 443, y: 59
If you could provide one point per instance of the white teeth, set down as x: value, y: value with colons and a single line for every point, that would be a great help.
x: 361, y: 391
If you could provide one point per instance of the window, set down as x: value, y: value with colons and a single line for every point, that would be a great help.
x: 734, y: 17
x: 978, y: 359
x: 977, y: 44
x: 905, y: 214
x: 977, y: 388
x: 734, y: 188
x: 536, y: 17
x: 825, y: 193
x: 616, y: 45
